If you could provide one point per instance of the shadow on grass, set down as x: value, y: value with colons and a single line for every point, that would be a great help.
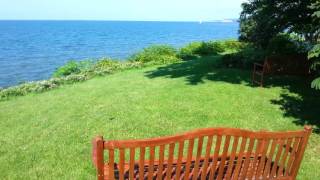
x: 196, y: 71
x: 302, y: 103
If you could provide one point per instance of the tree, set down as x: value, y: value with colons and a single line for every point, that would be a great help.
x: 263, y: 20
x: 314, y: 53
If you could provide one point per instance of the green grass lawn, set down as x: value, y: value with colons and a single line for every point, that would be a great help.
x: 48, y: 135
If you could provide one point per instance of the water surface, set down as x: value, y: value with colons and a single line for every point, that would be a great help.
x: 32, y: 50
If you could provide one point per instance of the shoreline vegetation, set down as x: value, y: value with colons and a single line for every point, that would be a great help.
x: 79, y: 71
x: 230, y: 53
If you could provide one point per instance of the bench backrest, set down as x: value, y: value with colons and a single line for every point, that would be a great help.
x: 288, y: 65
x: 196, y: 154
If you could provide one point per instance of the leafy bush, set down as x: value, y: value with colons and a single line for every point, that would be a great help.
x: 232, y: 45
x: 40, y: 86
x: 314, y: 56
x: 160, y: 54
x: 189, y: 51
x: 197, y: 49
x: 286, y: 44
x: 85, y: 70
x: 72, y: 67
x: 210, y: 48
x: 244, y: 58
x: 107, y: 66
x: 156, y: 54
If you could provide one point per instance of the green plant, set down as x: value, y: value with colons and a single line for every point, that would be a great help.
x: 106, y: 66
x: 72, y: 72
x: 70, y: 67
x: 314, y: 56
x: 40, y: 86
x: 189, y: 51
x: 156, y: 54
x: 232, y: 45
x: 210, y: 48
x: 262, y: 20
x: 197, y: 49
x: 243, y: 58
x: 73, y: 67
x: 285, y: 44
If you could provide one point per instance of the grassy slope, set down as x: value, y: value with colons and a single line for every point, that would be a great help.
x: 48, y: 135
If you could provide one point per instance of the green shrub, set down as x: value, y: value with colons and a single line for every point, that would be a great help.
x: 107, y: 66
x: 73, y: 71
x: 231, y: 46
x: 72, y: 67
x: 210, y: 48
x: 85, y: 71
x: 156, y: 54
x: 40, y: 86
x: 189, y: 51
x: 198, y: 49
x: 286, y: 44
x: 314, y: 56
x: 244, y: 58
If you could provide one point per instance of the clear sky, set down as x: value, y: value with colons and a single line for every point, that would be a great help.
x: 156, y: 10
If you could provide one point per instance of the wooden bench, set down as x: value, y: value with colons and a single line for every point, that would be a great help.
x: 297, y: 65
x: 212, y: 153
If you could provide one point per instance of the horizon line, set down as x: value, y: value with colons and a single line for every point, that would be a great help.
x: 214, y: 20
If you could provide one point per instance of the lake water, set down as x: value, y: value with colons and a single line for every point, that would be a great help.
x: 32, y: 50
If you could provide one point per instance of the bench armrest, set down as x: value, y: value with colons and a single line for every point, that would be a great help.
x: 95, y: 149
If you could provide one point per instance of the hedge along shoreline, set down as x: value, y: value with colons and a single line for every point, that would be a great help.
x: 232, y: 51
x: 74, y: 71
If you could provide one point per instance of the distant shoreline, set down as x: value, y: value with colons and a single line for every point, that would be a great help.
x: 83, y: 20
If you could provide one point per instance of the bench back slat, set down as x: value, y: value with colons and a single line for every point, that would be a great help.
x: 247, y: 157
x: 232, y: 157
x: 240, y: 157
x: 189, y: 158
x: 111, y: 164
x: 252, y: 169
x: 141, y: 161
x: 151, y: 163
x: 179, y: 161
x: 261, y: 166
x: 292, y: 155
x: 198, y: 156
x: 161, y: 161
x: 212, y: 153
x: 132, y: 160
x: 206, y: 160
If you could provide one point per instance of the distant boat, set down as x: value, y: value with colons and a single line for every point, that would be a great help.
x: 223, y: 21
x: 227, y: 21
x: 200, y: 22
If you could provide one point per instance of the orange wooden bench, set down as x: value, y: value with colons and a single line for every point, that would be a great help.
x: 297, y: 65
x: 212, y: 153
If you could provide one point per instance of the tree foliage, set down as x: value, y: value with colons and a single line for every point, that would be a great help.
x: 314, y: 53
x: 263, y: 20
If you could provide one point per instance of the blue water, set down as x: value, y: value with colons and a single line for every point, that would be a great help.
x: 32, y: 50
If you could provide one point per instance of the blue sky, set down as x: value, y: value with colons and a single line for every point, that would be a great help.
x: 154, y: 10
